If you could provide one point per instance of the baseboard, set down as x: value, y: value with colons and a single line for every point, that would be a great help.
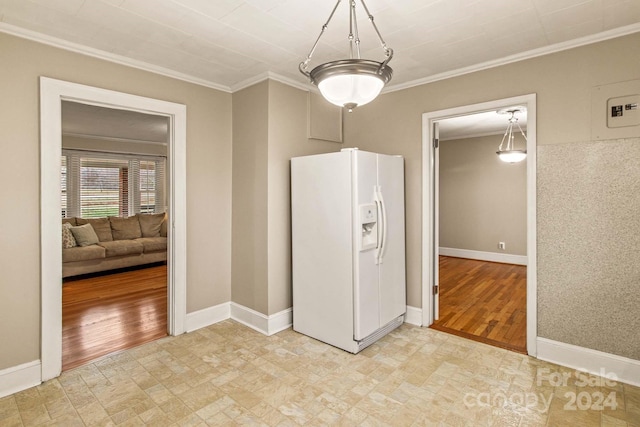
x: 595, y: 362
x: 267, y: 325
x: 20, y: 377
x: 484, y: 256
x: 207, y: 316
x: 413, y: 316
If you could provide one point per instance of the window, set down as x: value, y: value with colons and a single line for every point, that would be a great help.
x: 107, y: 184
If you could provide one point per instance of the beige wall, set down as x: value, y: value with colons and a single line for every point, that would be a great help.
x: 208, y: 181
x: 563, y: 83
x: 287, y: 139
x: 249, y: 238
x: 269, y: 127
x: 483, y: 200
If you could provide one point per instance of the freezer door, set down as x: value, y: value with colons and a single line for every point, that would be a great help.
x: 365, y: 291
x: 392, y: 280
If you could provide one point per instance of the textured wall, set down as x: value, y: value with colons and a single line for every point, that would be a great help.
x: 589, y: 245
x: 483, y: 200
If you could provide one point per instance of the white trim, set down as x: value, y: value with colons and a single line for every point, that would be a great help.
x: 593, y: 361
x: 267, y: 325
x: 484, y: 256
x: 428, y: 200
x: 107, y: 56
x: 413, y: 316
x: 20, y: 377
x: 546, y: 50
x: 52, y: 93
x: 207, y: 316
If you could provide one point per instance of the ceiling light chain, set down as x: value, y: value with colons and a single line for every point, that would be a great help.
x: 387, y: 50
x: 350, y: 82
x: 303, y: 65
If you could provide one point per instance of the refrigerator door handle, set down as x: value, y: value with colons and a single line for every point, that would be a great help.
x: 378, y: 202
x: 383, y: 232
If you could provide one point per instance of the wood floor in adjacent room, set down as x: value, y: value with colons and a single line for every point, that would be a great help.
x: 484, y: 301
x: 112, y: 312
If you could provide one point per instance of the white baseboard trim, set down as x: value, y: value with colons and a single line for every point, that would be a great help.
x: 595, y: 362
x: 207, y: 316
x: 413, y: 316
x: 20, y: 377
x: 267, y: 325
x: 484, y: 256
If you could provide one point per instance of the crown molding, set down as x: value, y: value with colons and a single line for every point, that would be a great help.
x: 269, y: 75
x: 107, y: 56
x: 547, y: 50
x: 145, y: 66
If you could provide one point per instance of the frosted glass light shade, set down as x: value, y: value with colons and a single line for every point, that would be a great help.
x: 351, y: 89
x: 512, y: 156
x: 350, y: 83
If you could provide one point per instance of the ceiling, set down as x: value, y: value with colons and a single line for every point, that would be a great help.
x: 481, y: 124
x: 228, y: 43
x: 92, y: 121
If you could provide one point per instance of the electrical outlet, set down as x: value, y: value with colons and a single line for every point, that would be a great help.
x: 502, y: 246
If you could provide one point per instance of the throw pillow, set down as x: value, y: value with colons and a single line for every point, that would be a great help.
x: 85, y: 235
x: 68, y: 241
x: 125, y: 228
x: 101, y: 226
x: 150, y: 224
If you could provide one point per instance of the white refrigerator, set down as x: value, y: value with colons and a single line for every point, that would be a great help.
x: 348, y: 247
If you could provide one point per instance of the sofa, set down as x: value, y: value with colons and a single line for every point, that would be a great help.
x: 91, y: 245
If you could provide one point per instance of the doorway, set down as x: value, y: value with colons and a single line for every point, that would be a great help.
x: 52, y: 94
x: 431, y: 218
x: 113, y: 169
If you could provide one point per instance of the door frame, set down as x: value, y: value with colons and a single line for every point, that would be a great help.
x: 429, y: 203
x: 52, y: 93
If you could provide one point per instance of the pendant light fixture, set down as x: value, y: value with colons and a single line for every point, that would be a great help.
x: 510, y: 154
x: 350, y: 82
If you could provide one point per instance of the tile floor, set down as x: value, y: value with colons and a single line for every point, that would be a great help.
x: 228, y: 374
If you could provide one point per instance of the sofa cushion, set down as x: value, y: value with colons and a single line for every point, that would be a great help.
x: 150, y: 224
x: 84, y: 235
x: 122, y: 247
x: 153, y: 244
x: 71, y: 221
x: 86, y: 253
x: 68, y: 241
x: 101, y: 226
x: 125, y: 228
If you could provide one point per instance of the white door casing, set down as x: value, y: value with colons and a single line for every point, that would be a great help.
x: 429, y: 207
x: 52, y: 93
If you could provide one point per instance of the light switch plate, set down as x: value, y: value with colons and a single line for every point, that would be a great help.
x: 605, y: 99
x: 623, y: 111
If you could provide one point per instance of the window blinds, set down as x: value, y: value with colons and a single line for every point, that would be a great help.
x: 97, y: 184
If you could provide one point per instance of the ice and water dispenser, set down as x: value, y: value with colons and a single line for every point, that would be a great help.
x: 369, y: 226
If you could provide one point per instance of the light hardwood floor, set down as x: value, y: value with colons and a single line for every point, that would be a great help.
x: 484, y: 301
x: 112, y: 312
